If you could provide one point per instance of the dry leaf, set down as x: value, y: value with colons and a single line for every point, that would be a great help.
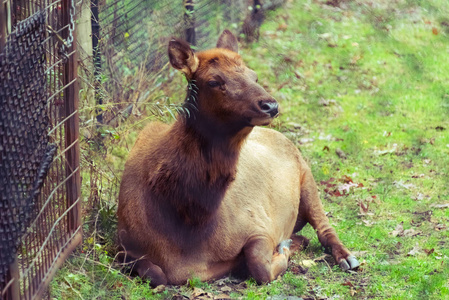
x: 221, y: 296
x: 428, y: 252
x: 363, y: 208
x: 444, y: 205
x: 410, y: 232
x: 401, y: 183
x: 419, y: 197
x: 199, y: 294
x: 347, y: 186
x: 414, y: 251
x: 398, y: 231
x: 368, y: 223
x: 307, y: 263
x: 159, y: 289
x: 439, y: 227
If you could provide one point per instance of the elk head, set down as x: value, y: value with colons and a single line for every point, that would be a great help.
x: 226, y: 93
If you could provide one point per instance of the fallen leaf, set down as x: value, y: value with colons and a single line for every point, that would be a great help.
x: 348, y: 283
x: 307, y: 263
x: 178, y: 296
x: 401, y: 183
x: 398, y: 230
x: 418, y: 176
x: 410, y: 232
x: 368, y: 223
x: 298, y: 75
x: 363, y: 208
x: 199, y: 294
x: 444, y: 205
x: 439, y: 227
x: 221, y: 296
x: 328, y: 182
x: 414, y: 251
x: 387, y: 151
x: 221, y: 282
x: 226, y: 289
x: 346, y: 179
x: 419, y: 197
x: 428, y: 252
x: 347, y: 186
x: 159, y: 289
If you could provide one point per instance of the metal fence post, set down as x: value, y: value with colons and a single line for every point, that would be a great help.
x: 189, y: 21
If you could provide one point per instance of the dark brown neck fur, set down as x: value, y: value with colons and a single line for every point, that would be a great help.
x: 197, y: 164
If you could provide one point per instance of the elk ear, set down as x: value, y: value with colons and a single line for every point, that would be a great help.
x: 182, y: 57
x: 228, y: 41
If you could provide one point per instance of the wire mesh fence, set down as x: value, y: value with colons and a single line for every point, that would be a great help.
x: 128, y: 35
x: 39, y: 158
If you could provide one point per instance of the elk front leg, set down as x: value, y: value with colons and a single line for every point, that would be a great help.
x: 311, y: 211
x: 265, y: 264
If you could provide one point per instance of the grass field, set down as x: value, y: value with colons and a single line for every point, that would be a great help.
x: 364, y: 91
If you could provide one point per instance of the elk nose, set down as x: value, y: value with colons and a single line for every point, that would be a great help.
x: 269, y: 107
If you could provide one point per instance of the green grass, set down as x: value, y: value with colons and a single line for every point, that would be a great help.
x: 369, y: 78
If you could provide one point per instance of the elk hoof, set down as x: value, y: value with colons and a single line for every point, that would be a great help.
x: 350, y: 263
x: 284, y: 244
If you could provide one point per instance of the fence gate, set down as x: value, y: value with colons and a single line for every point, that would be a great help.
x: 40, y: 213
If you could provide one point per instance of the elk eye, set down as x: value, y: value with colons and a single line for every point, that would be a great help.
x: 213, y: 83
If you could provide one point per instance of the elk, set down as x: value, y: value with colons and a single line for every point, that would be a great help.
x: 214, y: 193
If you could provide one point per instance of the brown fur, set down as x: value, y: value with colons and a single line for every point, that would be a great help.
x: 213, y: 193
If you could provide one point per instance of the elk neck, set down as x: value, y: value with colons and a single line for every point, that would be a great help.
x: 199, y: 164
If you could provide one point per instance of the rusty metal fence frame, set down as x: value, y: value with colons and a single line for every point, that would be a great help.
x: 56, y: 228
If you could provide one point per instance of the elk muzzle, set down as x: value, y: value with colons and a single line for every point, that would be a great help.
x: 270, y: 107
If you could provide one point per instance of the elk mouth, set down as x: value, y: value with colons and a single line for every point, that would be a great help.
x: 264, y: 120
x: 260, y: 121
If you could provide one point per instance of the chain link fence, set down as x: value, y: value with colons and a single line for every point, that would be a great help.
x: 39, y: 159
x: 131, y: 35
